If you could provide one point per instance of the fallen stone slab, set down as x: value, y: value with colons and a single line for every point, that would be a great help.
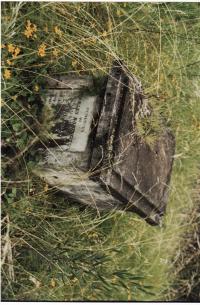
x: 96, y: 154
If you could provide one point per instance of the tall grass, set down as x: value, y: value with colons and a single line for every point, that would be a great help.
x: 54, y: 249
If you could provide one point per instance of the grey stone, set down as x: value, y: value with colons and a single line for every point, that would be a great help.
x: 102, y: 160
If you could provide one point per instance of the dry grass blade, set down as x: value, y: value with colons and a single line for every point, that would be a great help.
x: 46, y: 236
x: 6, y: 256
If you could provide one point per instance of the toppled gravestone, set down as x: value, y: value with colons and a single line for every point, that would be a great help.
x: 95, y: 153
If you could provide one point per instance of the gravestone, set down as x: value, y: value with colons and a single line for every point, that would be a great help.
x: 95, y: 153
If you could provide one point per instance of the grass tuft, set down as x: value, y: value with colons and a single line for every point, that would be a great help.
x: 53, y: 249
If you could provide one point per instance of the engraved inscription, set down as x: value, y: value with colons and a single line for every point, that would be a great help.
x: 73, y: 117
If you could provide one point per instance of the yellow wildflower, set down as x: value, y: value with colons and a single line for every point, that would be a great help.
x: 93, y: 235
x: 90, y: 40
x: 36, y: 88
x: 16, y: 52
x: 74, y: 63
x: 52, y: 283
x: 46, y: 187
x: 14, y: 97
x: 9, y: 62
x: 28, y: 33
x: 42, y: 50
x: 104, y: 34
x: 93, y: 39
x: 7, y: 74
x: 55, y: 52
x: 119, y: 12
x: 57, y: 30
x: 34, y: 27
x: 30, y: 29
x: 11, y: 48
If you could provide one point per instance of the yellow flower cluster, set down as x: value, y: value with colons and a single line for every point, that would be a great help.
x: 9, y: 62
x: 36, y: 89
x: 16, y: 53
x: 14, y: 50
x: 93, y: 235
x: 46, y: 187
x: 90, y: 40
x: 7, y: 74
x: 42, y: 50
x: 74, y: 63
x: 53, y: 283
x: 30, y: 30
x: 11, y: 48
x: 57, y: 30
x: 55, y: 52
x: 14, y: 97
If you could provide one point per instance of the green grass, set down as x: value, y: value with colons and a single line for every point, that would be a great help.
x: 57, y: 250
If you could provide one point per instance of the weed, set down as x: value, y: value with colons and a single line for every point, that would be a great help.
x: 57, y: 250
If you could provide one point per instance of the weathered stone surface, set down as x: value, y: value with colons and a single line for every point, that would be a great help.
x: 101, y: 159
x: 79, y: 187
x: 131, y: 169
x: 70, y: 81
x: 73, y: 114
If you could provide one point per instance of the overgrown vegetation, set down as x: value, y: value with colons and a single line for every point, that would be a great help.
x: 53, y: 249
x: 187, y: 263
